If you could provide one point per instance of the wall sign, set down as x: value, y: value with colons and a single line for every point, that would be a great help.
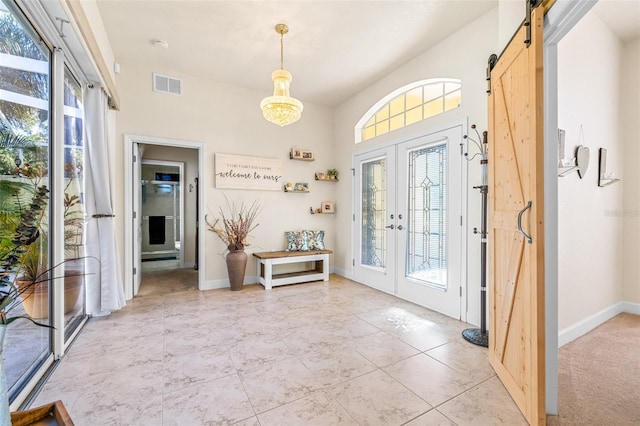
x: 243, y: 172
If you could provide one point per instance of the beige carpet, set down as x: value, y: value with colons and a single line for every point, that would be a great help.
x: 599, y: 376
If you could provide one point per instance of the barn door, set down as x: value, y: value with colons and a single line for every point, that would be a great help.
x: 516, y: 226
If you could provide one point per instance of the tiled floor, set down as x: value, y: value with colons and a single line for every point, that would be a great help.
x: 336, y: 353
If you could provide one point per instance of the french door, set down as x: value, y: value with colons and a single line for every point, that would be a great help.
x: 408, y: 219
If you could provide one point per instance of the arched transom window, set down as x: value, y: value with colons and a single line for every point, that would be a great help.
x: 409, y: 104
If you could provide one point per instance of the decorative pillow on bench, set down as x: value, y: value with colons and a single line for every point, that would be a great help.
x: 305, y: 240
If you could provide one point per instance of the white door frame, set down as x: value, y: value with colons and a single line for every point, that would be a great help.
x: 406, y: 134
x: 180, y: 166
x: 559, y: 20
x: 129, y: 142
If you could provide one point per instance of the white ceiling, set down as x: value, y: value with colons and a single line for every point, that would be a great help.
x: 334, y: 48
x: 621, y: 16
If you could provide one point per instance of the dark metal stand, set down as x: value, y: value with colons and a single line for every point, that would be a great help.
x: 480, y: 336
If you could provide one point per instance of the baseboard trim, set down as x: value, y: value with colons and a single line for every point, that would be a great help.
x: 632, y: 308
x: 342, y: 272
x: 217, y: 284
x: 585, y: 325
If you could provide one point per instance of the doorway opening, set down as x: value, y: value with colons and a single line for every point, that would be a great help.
x: 163, y: 239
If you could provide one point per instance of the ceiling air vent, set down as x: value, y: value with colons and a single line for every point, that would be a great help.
x: 164, y: 84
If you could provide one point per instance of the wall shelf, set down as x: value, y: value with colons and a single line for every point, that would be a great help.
x: 604, y: 178
x: 327, y: 179
x: 291, y: 157
x: 312, y: 211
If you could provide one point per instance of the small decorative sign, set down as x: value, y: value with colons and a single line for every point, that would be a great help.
x: 243, y: 172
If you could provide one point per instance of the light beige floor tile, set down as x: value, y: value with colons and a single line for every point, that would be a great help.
x: 252, y: 421
x: 377, y: 399
x: 253, y: 352
x: 220, y: 401
x: 272, y: 385
x: 465, y: 358
x: 421, y: 333
x: 338, y: 364
x: 123, y: 368
x: 485, y: 405
x: 319, y: 409
x: 96, y: 409
x: 431, y: 418
x: 187, y: 370
x: 383, y: 349
x: 179, y: 342
x: 429, y: 379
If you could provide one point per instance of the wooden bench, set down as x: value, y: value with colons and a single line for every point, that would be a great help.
x: 267, y: 259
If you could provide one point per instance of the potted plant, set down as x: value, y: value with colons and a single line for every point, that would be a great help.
x: 233, y: 229
x: 15, y: 195
x: 32, y: 278
x: 333, y: 174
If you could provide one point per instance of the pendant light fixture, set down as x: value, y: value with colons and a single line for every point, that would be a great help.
x: 281, y: 109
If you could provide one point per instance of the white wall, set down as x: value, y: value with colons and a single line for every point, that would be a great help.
x: 590, y: 218
x: 629, y: 113
x: 227, y: 119
x: 511, y: 14
x: 455, y: 57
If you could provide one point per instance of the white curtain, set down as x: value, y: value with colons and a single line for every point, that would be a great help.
x: 105, y: 292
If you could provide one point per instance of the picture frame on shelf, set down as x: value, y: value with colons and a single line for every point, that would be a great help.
x: 296, y: 153
x: 328, y: 207
x: 320, y: 176
x: 307, y: 155
x: 301, y: 187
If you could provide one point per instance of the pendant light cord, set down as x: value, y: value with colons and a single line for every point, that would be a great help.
x: 281, y: 51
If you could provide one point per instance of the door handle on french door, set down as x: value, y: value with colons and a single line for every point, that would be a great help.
x: 524, y: 234
x: 400, y: 228
x: 390, y: 226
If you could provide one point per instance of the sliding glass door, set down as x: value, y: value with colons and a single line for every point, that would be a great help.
x: 24, y: 169
x: 409, y: 220
x: 41, y: 152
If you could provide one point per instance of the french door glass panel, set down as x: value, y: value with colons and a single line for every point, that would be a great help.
x: 374, y: 212
x: 431, y: 197
x: 375, y: 252
x: 409, y: 237
x: 427, y: 215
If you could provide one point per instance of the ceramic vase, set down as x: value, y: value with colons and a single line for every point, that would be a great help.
x: 236, y: 265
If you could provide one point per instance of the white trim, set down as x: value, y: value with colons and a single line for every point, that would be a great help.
x: 129, y: 141
x: 29, y: 101
x: 631, y: 308
x: 56, y: 176
x: 587, y: 324
x: 33, y: 382
x: 24, y: 64
x: 345, y: 273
